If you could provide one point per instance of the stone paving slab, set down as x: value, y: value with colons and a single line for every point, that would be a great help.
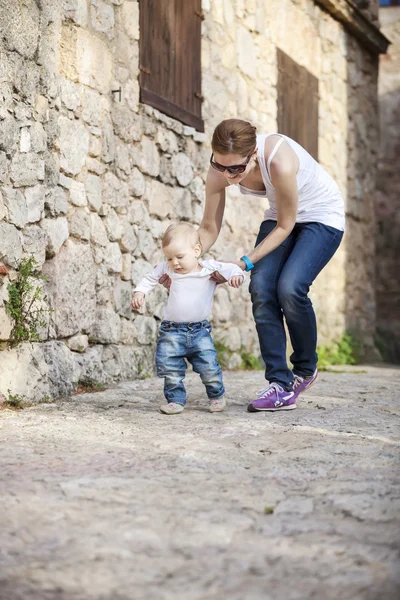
x: 105, y: 498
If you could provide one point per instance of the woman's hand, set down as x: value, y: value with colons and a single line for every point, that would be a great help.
x: 165, y: 281
x: 218, y: 278
x: 137, y: 300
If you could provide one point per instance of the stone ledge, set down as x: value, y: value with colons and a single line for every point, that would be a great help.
x: 347, y: 13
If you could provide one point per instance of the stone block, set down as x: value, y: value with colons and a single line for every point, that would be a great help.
x: 6, y: 325
x: 106, y: 328
x: 20, y: 27
x: 159, y: 197
x: 128, y: 240
x: 57, y: 233
x: 146, y: 244
x: 79, y: 224
x: 122, y: 292
x: 138, y: 214
x: 113, y: 258
x: 108, y: 141
x: 126, y: 273
x: 77, y: 193
x: 16, y: 206
x: 78, y: 342
x: 10, y: 244
x: 9, y: 133
x: 24, y: 371
x: 92, y: 105
x: 147, y: 158
x: 102, y: 17
x: 38, y: 137
x: 136, y: 183
x: 71, y: 286
x: 70, y: 93
x: 3, y: 167
x: 146, y: 329
x: 129, y: 17
x: 42, y: 108
x: 140, y: 268
x: 35, y: 197
x: 27, y: 169
x: 3, y: 210
x: 113, y: 226
x: 182, y: 204
x: 98, y: 230
x: 77, y: 11
x: 115, y: 192
x: 182, y: 168
x: 35, y: 243
x: 56, y: 201
x: 25, y: 140
x: 128, y: 332
x: 74, y: 145
x: 94, y: 61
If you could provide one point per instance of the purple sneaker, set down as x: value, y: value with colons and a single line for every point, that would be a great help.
x: 274, y: 397
x: 301, y: 384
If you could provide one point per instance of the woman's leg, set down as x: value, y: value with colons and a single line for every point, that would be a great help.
x: 267, y: 311
x: 314, y: 246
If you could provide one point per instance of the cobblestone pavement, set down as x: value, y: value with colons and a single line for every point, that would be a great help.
x: 105, y: 498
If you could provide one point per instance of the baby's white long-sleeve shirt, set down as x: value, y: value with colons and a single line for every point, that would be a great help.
x: 191, y: 295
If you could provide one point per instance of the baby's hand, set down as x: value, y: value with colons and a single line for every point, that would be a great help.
x: 137, y: 300
x: 236, y: 281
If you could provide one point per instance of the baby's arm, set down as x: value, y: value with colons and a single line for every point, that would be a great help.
x: 146, y: 284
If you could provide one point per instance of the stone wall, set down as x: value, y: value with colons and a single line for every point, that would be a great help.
x: 388, y: 193
x: 90, y: 183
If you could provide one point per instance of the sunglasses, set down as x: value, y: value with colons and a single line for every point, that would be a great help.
x: 232, y: 169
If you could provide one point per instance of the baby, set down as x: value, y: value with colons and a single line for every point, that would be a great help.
x: 185, y: 330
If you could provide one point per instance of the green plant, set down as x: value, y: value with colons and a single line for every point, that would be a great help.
x: 250, y: 362
x: 87, y: 385
x: 269, y: 510
x: 223, y: 353
x: 15, y: 401
x: 344, y: 352
x: 24, y: 303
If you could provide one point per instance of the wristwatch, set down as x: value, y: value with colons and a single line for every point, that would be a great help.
x: 247, y: 262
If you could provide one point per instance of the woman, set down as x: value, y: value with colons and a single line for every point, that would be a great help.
x: 301, y: 231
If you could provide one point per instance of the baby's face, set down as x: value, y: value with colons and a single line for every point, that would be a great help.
x: 181, y: 256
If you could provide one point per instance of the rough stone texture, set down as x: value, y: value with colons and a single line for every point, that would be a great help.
x: 57, y: 233
x: 10, y: 244
x: 388, y: 198
x: 71, y: 287
x: 16, y: 206
x: 74, y: 145
x: 327, y: 471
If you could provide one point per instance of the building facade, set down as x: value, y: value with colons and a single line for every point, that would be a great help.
x: 107, y: 108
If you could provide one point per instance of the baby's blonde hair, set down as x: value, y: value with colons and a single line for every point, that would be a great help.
x: 183, y: 230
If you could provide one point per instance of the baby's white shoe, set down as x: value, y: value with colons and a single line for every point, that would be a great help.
x: 217, y: 405
x: 172, y: 408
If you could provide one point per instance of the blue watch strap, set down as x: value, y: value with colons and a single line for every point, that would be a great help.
x: 247, y: 262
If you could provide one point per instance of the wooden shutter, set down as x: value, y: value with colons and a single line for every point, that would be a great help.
x: 170, y: 58
x: 298, y: 103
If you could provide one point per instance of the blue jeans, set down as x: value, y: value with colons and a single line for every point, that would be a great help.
x: 177, y: 341
x: 279, y: 286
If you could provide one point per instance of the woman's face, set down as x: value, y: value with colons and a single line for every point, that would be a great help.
x: 229, y: 160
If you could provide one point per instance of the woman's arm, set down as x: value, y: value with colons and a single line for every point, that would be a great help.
x: 211, y: 223
x: 283, y: 170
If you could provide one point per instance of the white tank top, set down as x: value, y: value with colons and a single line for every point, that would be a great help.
x: 319, y: 197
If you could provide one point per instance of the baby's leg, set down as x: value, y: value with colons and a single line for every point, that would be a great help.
x: 171, y: 366
x: 203, y: 357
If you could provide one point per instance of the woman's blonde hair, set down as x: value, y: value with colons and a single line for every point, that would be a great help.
x: 234, y: 136
x: 184, y: 230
